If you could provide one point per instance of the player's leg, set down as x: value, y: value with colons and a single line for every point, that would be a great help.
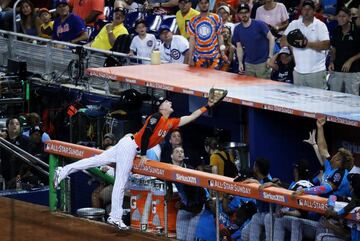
x: 104, y: 158
x: 125, y: 154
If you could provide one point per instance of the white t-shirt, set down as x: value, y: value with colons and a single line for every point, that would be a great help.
x: 274, y: 16
x: 143, y: 47
x: 175, y: 52
x: 308, y: 60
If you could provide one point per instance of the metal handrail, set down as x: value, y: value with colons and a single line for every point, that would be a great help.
x: 44, y: 40
x: 14, y: 15
x: 23, y: 158
x: 24, y: 153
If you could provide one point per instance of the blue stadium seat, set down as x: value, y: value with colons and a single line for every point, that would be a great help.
x: 153, y: 23
x: 170, y: 20
x: 130, y: 20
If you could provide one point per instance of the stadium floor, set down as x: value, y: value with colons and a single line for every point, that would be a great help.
x: 22, y: 221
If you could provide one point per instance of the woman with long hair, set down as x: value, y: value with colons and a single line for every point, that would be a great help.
x: 29, y: 21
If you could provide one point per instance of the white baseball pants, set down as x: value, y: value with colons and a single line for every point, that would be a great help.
x: 123, y: 153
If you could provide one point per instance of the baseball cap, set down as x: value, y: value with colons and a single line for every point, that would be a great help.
x: 110, y: 136
x: 226, y: 8
x: 244, y: 6
x: 163, y: 28
x: 158, y: 101
x: 35, y: 129
x: 140, y: 21
x: 284, y: 50
x: 309, y: 3
x: 59, y: 2
x: 43, y: 10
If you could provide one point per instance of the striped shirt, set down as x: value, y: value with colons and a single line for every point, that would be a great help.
x: 205, y: 30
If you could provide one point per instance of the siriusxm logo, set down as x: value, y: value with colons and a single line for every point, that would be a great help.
x: 188, y: 179
x: 274, y: 197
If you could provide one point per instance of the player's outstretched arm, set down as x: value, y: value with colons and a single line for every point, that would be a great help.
x: 215, y: 97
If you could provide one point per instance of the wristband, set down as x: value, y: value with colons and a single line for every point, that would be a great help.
x: 204, y: 108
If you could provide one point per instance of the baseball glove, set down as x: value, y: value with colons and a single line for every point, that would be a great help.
x: 297, y: 39
x: 216, y: 95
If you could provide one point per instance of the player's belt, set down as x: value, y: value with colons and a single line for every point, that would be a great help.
x: 133, y: 138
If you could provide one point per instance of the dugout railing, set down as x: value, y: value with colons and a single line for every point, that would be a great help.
x: 174, y: 173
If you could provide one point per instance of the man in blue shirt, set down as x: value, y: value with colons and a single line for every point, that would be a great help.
x: 68, y: 27
x: 253, y: 39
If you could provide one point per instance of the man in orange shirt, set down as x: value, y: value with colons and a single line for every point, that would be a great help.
x: 89, y: 10
x: 123, y: 153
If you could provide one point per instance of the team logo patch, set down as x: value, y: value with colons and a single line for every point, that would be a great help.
x: 337, y: 177
x: 175, y: 54
x: 149, y: 43
x: 204, y: 30
x: 153, y: 121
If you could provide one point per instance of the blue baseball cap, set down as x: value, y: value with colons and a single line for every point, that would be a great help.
x: 163, y: 28
x: 59, y: 2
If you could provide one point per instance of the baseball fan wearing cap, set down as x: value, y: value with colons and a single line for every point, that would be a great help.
x: 108, y: 34
x: 174, y: 48
x: 345, y: 55
x: 254, y: 44
x: 183, y: 16
x: 283, y: 65
x: 68, y: 27
x: 46, y: 28
x: 123, y: 153
x: 309, y: 40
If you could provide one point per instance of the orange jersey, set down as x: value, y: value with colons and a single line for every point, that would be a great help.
x: 154, y: 131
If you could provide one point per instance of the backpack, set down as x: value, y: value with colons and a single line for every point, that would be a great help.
x: 121, y: 45
x: 230, y: 169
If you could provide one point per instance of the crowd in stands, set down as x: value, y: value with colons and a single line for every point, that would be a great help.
x: 246, y: 37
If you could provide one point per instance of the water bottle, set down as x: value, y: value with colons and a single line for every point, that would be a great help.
x: 18, y: 182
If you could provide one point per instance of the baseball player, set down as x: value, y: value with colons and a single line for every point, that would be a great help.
x: 123, y: 153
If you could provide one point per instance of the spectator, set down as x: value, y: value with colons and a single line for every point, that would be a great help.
x: 88, y: 10
x: 174, y: 141
x: 36, y: 146
x: 251, y: 35
x: 229, y: 48
x: 275, y: 15
x: 68, y: 27
x: 33, y: 120
x: 183, y: 16
x: 108, y: 34
x: 144, y: 43
x: 47, y: 26
x: 29, y: 22
x: 207, y: 48
x: 11, y: 165
x: 345, y: 55
x: 221, y: 161
x: 282, y: 65
x: 108, y: 140
x: 225, y: 14
x: 192, y: 200
x: 334, y: 178
x: 253, y: 230
x: 174, y: 48
x: 129, y: 5
x: 309, y: 60
x: 6, y: 14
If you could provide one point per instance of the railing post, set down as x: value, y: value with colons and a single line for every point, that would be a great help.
x: 166, y: 231
x: 53, y: 163
x: 217, y: 207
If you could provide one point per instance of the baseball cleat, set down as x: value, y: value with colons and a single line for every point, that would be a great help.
x: 57, y: 177
x: 119, y: 224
